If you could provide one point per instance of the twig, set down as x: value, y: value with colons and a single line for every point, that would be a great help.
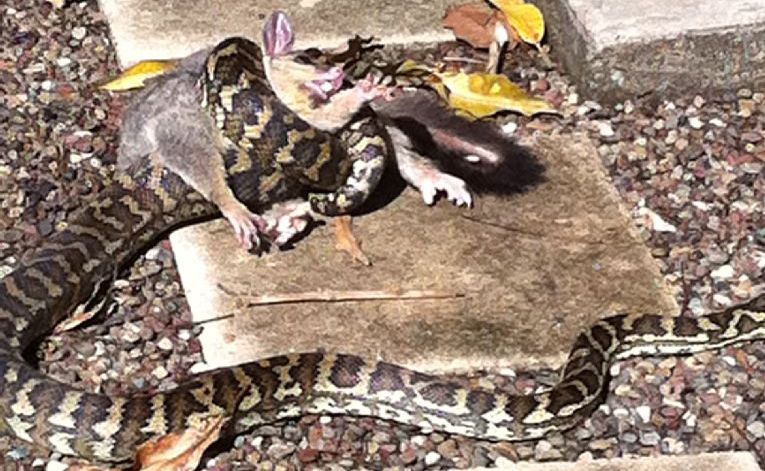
x: 344, y: 296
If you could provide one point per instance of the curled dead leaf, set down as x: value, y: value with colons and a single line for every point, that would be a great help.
x: 524, y: 18
x: 473, y: 23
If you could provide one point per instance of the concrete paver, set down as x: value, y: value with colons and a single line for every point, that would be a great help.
x: 622, y: 48
x: 148, y: 29
x: 535, y: 270
x: 728, y: 461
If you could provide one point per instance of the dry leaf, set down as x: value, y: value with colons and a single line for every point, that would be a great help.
x: 524, y: 18
x: 472, y: 23
x: 135, y: 76
x: 347, y: 242
x: 179, y: 452
x: 482, y: 94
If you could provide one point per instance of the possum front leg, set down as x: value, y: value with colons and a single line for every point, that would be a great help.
x: 165, y: 123
x: 422, y: 174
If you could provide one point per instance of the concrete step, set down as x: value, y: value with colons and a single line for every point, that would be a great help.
x: 157, y: 30
x: 622, y: 48
x: 728, y: 461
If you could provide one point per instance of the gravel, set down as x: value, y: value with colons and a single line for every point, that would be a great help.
x: 690, y: 170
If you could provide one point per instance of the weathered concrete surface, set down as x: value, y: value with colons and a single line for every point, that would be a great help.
x: 151, y: 29
x: 622, y: 48
x: 535, y: 270
x: 728, y: 461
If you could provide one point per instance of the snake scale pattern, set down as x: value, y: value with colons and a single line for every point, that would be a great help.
x: 134, y: 211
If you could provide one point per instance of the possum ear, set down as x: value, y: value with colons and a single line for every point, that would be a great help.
x: 278, y: 36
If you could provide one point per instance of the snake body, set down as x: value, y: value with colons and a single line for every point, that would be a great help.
x: 104, y: 235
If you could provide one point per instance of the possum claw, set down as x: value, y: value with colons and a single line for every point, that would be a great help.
x: 247, y: 225
x: 286, y: 220
x: 454, y: 189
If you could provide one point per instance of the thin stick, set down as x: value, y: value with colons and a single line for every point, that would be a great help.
x: 344, y: 296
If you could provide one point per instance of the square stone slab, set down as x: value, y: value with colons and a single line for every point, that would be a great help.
x: 149, y: 29
x: 727, y: 461
x: 619, y: 49
x: 535, y: 269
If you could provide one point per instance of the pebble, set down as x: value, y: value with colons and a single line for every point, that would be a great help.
x: 649, y: 438
x: 280, y: 450
x: 56, y: 466
x: 432, y: 458
x: 757, y: 429
x: 165, y: 344
x: 160, y: 372
x: 79, y: 33
x: 695, y: 122
x: 644, y: 412
x: 605, y: 129
x: 723, y: 273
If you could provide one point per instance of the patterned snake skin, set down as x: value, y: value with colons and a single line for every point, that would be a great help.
x: 104, y: 235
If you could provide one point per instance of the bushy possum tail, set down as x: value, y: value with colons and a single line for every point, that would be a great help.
x: 476, y: 151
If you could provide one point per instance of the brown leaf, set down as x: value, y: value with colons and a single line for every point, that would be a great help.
x: 179, y: 452
x: 472, y: 23
x: 347, y: 242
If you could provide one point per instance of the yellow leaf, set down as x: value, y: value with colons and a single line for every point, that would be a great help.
x: 524, y: 18
x: 135, y: 76
x: 482, y: 94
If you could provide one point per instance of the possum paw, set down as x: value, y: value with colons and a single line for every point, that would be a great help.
x: 247, y: 225
x: 454, y: 188
x: 286, y: 220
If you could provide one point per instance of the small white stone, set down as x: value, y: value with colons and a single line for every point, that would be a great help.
x: 419, y: 440
x: 723, y: 273
x: 757, y: 429
x: 159, y: 372
x: 696, y: 122
x: 56, y: 466
x: 722, y: 300
x: 621, y: 413
x: 628, y: 107
x: 47, y: 85
x: 717, y: 122
x: 644, y: 412
x: 572, y: 99
x: 432, y: 458
x: 79, y: 33
x: 165, y: 344
x: 605, y: 129
x: 63, y: 61
x: 325, y: 420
